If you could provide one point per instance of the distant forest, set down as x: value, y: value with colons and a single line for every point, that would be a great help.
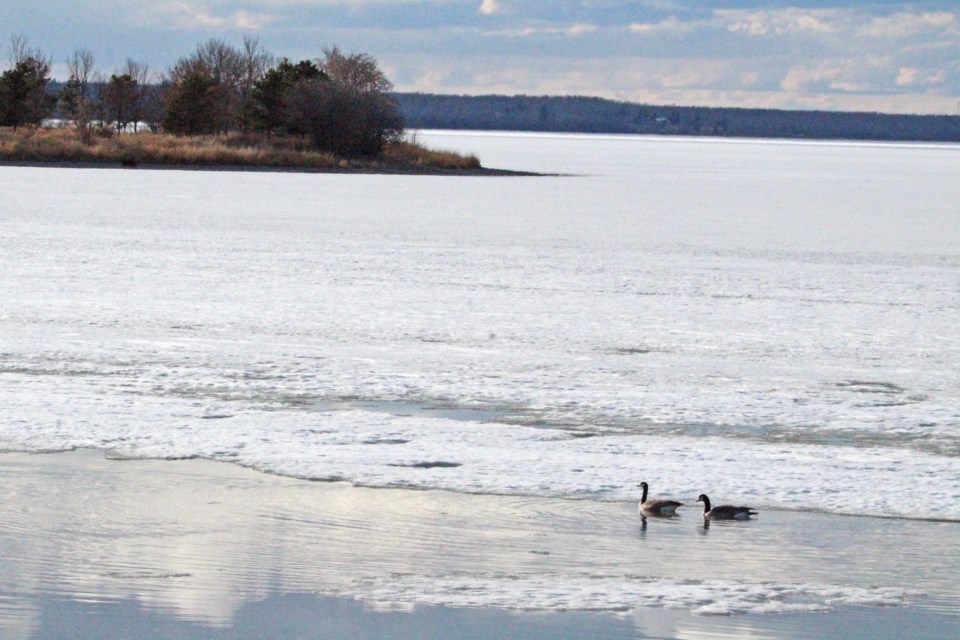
x: 597, y: 115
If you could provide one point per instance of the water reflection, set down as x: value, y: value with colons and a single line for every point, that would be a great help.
x: 18, y: 618
x: 307, y: 616
x: 672, y: 518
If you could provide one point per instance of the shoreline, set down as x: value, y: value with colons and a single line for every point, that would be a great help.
x: 66, y: 148
x: 221, y: 167
x: 199, y: 542
x: 691, y: 509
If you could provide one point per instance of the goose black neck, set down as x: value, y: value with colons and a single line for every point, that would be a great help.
x: 706, y: 504
x: 644, y: 498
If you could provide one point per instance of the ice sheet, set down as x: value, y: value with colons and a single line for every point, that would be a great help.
x: 770, y: 322
x: 603, y: 593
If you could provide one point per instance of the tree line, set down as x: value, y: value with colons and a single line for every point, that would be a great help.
x: 596, y: 115
x: 341, y: 102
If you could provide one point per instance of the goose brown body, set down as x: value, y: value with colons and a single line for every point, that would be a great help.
x: 657, y: 507
x: 724, y: 511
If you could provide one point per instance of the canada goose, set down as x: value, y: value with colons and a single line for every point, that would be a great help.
x: 724, y: 511
x: 656, y: 507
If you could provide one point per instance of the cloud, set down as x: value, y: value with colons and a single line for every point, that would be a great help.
x: 802, y: 77
x: 669, y: 25
x: 432, y: 80
x: 529, y: 32
x: 907, y: 76
x: 490, y: 7
x: 904, y: 25
x: 911, y: 76
x: 252, y: 21
x: 184, y: 15
x: 779, y: 22
x: 863, y: 75
x: 580, y: 29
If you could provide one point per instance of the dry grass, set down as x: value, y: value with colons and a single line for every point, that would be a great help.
x: 65, y: 146
x: 415, y: 154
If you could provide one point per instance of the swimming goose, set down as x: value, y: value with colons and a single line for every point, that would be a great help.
x: 724, y: 511
x: 657, y: 507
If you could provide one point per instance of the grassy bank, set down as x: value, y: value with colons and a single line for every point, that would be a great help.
x: 65, y: 147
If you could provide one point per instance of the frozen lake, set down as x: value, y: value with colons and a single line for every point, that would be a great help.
x: 769, y: 322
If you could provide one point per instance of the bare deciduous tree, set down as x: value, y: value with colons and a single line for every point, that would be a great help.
x: 76, y: 98
x: 255, y: 63
x: 226, y: 69
x: 82, y: 66
x: 357, y: 70
x: 140, y: 73
x: 19, y: 50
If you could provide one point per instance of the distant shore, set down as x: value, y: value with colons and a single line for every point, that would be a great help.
x: 582, y: 114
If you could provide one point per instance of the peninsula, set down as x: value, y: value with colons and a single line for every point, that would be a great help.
x: 218, y: 107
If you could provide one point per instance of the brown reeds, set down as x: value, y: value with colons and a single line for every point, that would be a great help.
x: 415, y: 154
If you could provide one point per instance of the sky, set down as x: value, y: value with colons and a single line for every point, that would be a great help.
x: 875, y: 55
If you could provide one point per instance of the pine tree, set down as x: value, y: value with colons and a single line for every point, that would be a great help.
x: 23, y: 93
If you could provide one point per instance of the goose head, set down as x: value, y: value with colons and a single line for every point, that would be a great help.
x: 644, y: 486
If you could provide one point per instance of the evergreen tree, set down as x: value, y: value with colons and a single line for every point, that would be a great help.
x: 23, y: 93
x: 69, y: 98
x: 192, y: 107
x: 272, y: 93
x: 121, y: 99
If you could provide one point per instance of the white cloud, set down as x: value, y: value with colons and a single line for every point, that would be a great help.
x: 529, y: 32
x: 184, y: 15
x: 801, y: 77
x: 780, y: 22
x: 519, y: 32
x: 187, y: 15
x: 911, y: 76
x: 490, y: 7
x: 670, y: 25
x: 431, y: 80
x: 246, y: 20
x: 907, y: 76
x: 580, y: 29
x: 903, y: 25
x: 868, y: 74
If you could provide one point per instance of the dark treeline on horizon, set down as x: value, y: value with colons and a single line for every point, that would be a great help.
x: 598, y: 115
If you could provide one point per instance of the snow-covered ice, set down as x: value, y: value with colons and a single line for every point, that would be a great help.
x: 619, y: 594
x: 677, y: 311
